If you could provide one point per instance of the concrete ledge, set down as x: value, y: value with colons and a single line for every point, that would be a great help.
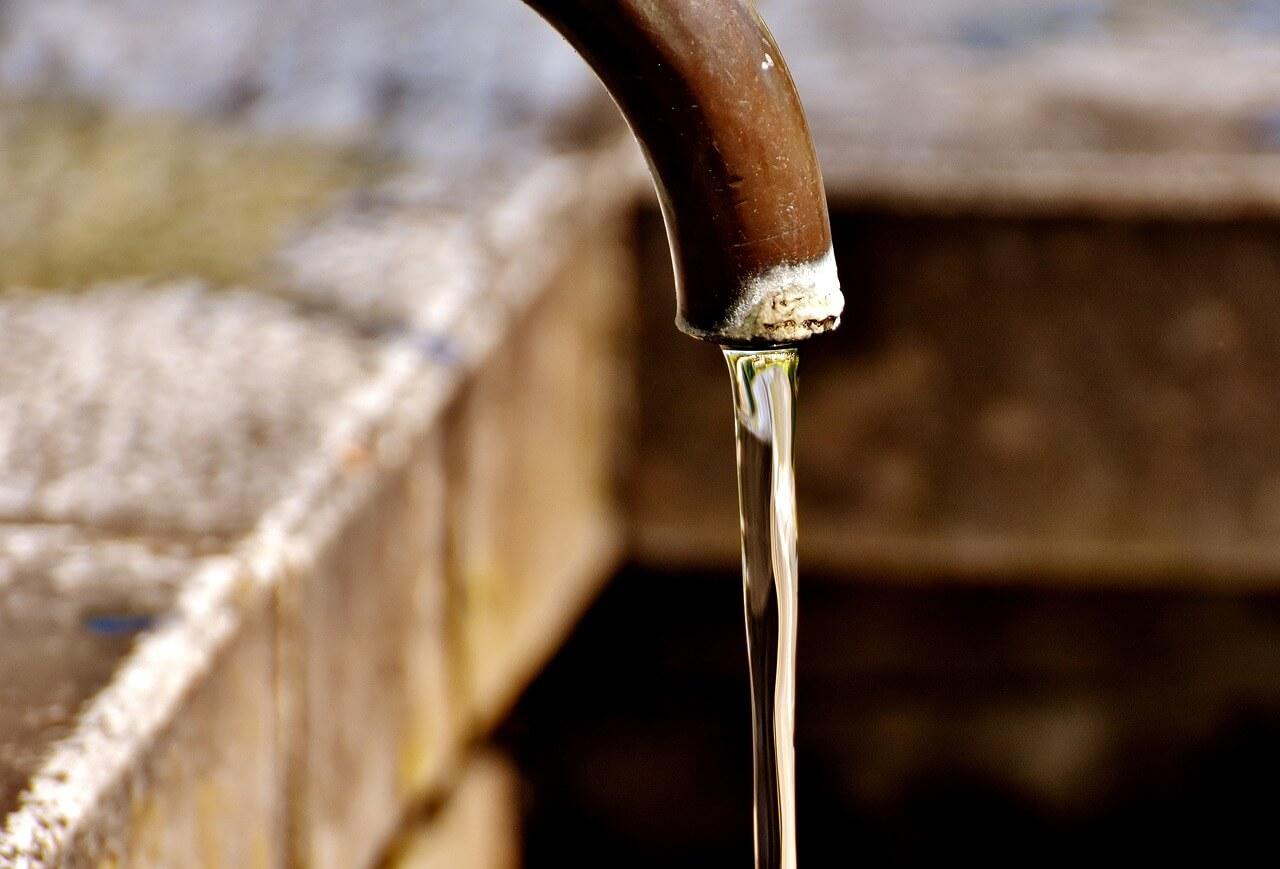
x: 379, y: 573
x: 70, y: 607
x: 94, y: 798
x: 369, y: 702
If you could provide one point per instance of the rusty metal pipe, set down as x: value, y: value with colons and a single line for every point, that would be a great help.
x: 710, y: 99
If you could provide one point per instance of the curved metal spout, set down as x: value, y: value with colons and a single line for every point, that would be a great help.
x: 706, y: 92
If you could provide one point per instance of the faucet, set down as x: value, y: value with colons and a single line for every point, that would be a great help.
x: 711, y: 101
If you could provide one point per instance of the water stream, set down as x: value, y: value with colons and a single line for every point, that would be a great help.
x: 764, y: 399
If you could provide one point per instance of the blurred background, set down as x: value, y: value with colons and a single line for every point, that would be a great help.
x: 1038, y: 466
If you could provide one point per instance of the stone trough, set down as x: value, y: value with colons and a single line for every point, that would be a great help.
x: 275, y: 554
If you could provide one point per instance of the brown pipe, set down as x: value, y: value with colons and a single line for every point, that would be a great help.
x: 709, y: 97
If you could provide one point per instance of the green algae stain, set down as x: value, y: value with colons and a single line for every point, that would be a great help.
x: 89, y: 195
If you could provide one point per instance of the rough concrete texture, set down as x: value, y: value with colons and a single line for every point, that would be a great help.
x: 545, y: 509
x: 312, y: 661
x: 477, y: 829
x: 1110, y: 105
x: 532, y: 452
x: 70, y: 608
x: 207, y: 792
x: 372, y: 718
x: 174, y: 762
x: 164, y: 410
x: 486, y: 239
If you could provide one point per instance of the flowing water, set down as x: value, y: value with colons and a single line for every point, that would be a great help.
x: 764, y: 400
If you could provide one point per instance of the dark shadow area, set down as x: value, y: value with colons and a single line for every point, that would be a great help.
x: 1008, y: 726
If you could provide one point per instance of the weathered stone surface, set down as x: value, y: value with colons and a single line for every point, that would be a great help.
x: 1115, y: 106
x: 169, y: 409
x: 312, y: 662
x: 485, y: 242
x: 272, y: 473
x: 532, y: 452
x: 369, y: 699
x: 478, y: 828
x: 174, y: 761
x: 522, y: 494
x: 70, y: 609
x: 207, y: 789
